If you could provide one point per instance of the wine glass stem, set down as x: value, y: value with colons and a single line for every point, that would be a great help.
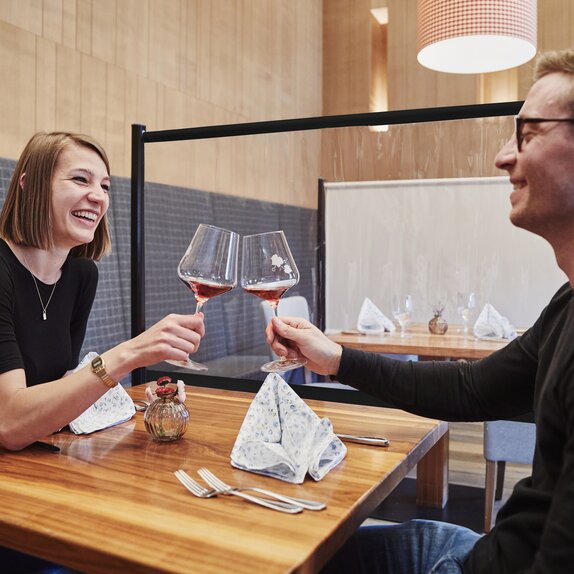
x: 282, y: 358
x: 198, y: 307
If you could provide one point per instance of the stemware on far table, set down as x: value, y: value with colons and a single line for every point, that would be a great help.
x: 402, y: 311
x: 208, y: 268
x: 465, y: 303
x: 268, y: 270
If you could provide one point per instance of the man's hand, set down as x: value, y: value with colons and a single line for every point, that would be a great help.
x: 323, y: 355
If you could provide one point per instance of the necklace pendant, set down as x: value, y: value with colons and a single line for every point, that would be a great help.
x: 44, y: 315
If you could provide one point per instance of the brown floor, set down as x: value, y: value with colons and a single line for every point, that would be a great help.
x: 467, y: 464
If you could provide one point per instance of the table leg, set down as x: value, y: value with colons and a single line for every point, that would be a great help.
x: 432, y: 476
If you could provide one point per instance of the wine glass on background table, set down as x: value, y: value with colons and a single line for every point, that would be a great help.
x: 268, y: 270
x: 402, y: 311
x: 208, y: 268
x: 465, y: 303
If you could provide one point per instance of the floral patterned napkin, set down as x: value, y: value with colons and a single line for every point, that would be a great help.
x: 111, y: 409
x: 283, y: 438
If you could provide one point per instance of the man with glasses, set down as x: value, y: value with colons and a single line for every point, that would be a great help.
x: 534, y: 530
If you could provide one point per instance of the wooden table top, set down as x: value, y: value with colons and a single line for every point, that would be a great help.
x: 419, y: 341
x: 109, y: 502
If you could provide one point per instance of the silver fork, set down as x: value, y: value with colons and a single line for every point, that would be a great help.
x: 202, y: 492
x: 194, y: 487
x: 222, y: 487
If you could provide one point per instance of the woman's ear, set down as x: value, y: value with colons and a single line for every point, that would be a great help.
x: 22, y: 177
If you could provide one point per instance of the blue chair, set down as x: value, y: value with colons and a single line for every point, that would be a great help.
x: 504, y: 441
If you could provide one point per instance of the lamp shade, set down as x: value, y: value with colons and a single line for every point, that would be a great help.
x: 475, y: 36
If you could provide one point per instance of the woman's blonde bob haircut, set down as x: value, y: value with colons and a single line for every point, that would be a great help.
x: 26, y: 217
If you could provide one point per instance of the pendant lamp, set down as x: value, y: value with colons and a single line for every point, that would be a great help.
x: 475, y: 36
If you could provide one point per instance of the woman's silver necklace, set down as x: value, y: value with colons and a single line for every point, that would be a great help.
x: 44, y: 307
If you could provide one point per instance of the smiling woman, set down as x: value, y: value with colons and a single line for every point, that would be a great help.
x: 53, y: 227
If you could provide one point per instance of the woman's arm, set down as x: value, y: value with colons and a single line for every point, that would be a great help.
x: 30, y: 413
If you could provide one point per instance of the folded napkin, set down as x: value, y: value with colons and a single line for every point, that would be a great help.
x: 492, y: 325
x: 283, y: 438
x: 111, y: 409
x: 372, y: 320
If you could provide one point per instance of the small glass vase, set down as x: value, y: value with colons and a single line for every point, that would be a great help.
x: 438, y: 324
x: 166, y: 418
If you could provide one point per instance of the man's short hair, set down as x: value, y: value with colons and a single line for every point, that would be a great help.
x: 558, y: 61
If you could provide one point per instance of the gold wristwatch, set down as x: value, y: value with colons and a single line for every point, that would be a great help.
x: 99, y: 368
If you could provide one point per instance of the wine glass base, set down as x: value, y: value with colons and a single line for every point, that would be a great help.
x: 189, y: 364
x: 280, y: 366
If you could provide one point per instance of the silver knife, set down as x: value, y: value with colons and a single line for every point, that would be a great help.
x: 372, y: 440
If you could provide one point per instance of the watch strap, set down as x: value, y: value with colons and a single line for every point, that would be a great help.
x: 99, y: 368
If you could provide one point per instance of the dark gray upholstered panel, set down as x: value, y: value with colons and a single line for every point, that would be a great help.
x: 234, y: 329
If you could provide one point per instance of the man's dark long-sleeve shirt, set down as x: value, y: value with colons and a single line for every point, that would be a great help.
x: 534, y: 531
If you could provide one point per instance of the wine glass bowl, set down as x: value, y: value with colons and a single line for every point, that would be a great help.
x: 268, y: 271
x: 402, y: 311
x: 465, y: 303
x: 208, y: 268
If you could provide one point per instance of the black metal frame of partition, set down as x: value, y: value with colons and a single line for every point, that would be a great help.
x: 140, y: 137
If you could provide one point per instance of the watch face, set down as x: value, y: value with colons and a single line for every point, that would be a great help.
x: 97, y: 363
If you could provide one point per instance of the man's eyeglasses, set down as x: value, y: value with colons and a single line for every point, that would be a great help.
x: 519, y: 123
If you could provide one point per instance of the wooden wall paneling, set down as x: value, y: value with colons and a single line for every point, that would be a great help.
x: 555, y: 24
x: 69, y: 15
x: 93, y: 97
x: 104, y: 30
x: 396, y: 55
x: 308, y: 75
x: 68, y: 89
x: 18, y: 90
x: 164, y: 41
x: 172, y: 113
x: 45, y: 84
x: 190, y: 50
x: 132, y: 39
x: 25, y: 14
x: 346, y: 56
x: 116, y: 132
x: 131, y: 117
x: 288, y: 56
x: 204, y: 67
x: 52, y: 20
x: 256, y: 62
x: 225, y: 55
x: 84, y: 26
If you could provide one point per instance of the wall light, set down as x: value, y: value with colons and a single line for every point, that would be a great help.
x: 475, y: 36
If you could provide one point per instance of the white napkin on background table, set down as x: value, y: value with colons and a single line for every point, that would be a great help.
x: 372, y: 320
x: 283, y: 438
x: 492, y: 325
x: 111, y: 409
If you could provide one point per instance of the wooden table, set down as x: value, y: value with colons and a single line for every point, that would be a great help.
x: 419, y: 341
x: 109, y: 502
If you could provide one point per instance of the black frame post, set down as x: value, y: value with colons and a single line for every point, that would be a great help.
x: 137, y: 241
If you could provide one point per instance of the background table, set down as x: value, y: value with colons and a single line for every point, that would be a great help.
x: 451, y: 345
x: 109, y: 502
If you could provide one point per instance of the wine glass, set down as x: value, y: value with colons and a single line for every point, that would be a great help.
x: 268, y: 271
x: 402, y: 311
x: 208, y: 268
x: 465, y: 303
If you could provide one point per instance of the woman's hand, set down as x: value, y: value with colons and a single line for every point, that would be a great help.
x: 174, y: 337
x: 323, y: 355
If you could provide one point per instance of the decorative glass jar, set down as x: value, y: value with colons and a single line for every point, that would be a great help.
x: 166, y: 418
x: 438, y: 324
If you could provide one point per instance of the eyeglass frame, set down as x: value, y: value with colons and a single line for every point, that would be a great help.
x: 520, y: 121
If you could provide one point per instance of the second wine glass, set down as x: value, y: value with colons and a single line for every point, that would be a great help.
x: 402, y: 311
x: 208, y: 268
x: 268, y: 271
